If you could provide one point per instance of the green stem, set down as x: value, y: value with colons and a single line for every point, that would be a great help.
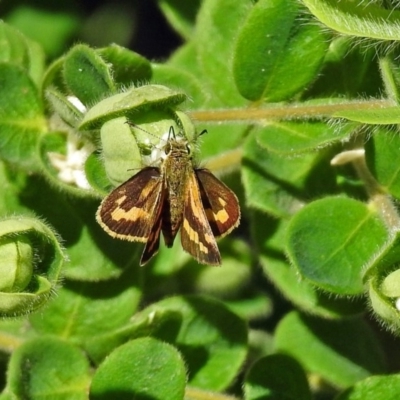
x: 225, y: 162
x: 382, y: 201
x: 286, y: 111
x: 199, y: 394
x: 9, y: 342
x: 389, y: 80
x: 377, y: 194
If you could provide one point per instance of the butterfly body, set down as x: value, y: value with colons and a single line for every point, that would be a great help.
x: 174, y: 196
x: 175, y: 172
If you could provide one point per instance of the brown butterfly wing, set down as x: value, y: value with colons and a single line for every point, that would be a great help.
x: 153, y: 241
x: 130, y: 211
x: 220, y: 204
x: 196, y: 235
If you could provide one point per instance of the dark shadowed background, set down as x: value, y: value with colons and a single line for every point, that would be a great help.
x: 138, y: 25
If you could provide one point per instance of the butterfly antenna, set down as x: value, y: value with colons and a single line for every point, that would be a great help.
x: 171, y: 132
x: 144, y: 130
x: 203, y: 132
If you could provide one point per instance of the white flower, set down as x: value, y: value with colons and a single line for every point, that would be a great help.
x: 71, y: 166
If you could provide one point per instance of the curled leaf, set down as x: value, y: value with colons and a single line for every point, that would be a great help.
x: 357, y: 18
x: 31, y: 258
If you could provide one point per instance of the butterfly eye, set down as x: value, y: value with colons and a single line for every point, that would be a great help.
x: 167, y: 148
x: 188, y: 149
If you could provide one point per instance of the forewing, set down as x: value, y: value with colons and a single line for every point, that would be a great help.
x: 196, y: 235
x: 130, y: 211
x: 220, y: 204
x: 153, y: 241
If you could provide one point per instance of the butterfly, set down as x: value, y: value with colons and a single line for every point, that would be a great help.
x: 171, y: 197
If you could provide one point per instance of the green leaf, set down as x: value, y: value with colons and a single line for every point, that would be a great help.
x: 96, y: 255
x: 18, y: 253
x: 264, y: 380
x: 266, y: 194
x: 390, y: 78
x: 135, y: 102
x: 258, y: 306
x: 120, y: 151
x: 226, y: 282
x: 270, y: 44
x: 63, y: 107
x: 383, y: 284
x: 348, y: 71
x: 21, y: 118
x: 12, y: 181
x: 334, y: 350
x: 36, y: 62
x: 181, y: 15
x: 333, y: 240
x: 83, y: 310
x: 374, y: 388
x: 18, y: 50
x: 390, y: 285
x: 101, y: 345
x: 260, y: 344
x: 46, y: 368
x: 186, y: 58
x: 351, y: 18
x: 14, y: 333
x: 219, y: 140
x: 13, y: 48
x: 384, y: 306
x: 376, y: 116
x: 383, y: 159
x: 53, y: 76
x: 269, y: 235
x: 52, y: 29
x: 298, y: 137
x: 184, y: 80
x: 278, y: 184
x: 87, y: 75
x: 216, y: 21
x: 210, y: 337
x: 31, y: 258
x: 128, y: 67
x: 141, y: 369
x: 96, y: 174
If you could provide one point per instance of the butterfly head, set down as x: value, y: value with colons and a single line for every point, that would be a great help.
x: 176, y: 145
x: 172, y: 143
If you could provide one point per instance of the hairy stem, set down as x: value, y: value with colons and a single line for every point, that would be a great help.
x: 286, y: 111
x: 198, y: 394
x: 225, y: 162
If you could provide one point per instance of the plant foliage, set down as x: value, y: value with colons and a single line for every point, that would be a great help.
x: 300, y: 100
